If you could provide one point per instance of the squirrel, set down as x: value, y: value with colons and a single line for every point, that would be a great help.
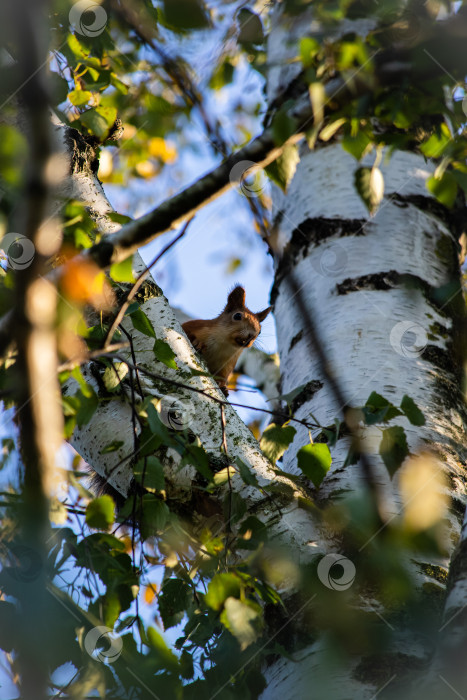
x: 221, y: 340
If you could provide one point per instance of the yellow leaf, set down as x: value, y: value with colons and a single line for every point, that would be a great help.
x: 171, y: 560
x: 83, y: 282
x: 150, y: 593
x: 146, y: 169
x: 128, y: 544
x: 330, y: 129
x: 164, y: 150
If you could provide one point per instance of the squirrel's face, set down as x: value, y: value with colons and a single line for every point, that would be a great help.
x: 244, y: 328
x: 240, y: 325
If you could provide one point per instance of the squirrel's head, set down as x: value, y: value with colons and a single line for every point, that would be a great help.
x: 243, y: 325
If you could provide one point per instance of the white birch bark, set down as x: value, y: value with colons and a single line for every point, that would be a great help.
x: 378, y: 334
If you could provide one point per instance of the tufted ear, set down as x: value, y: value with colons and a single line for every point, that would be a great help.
x: 261, y: 315
x: 236, y: 299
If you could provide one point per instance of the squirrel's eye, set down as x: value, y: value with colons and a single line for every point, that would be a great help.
x: 237, y: 316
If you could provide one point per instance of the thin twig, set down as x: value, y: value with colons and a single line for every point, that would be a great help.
x: 204, y: 392
x: 94, y: 354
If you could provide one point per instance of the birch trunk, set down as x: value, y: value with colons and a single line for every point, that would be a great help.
x: 370, y: 285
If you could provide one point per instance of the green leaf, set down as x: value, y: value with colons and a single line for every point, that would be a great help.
x: 158, y: 643
x: 95, y: 123
x: 223, y: 74
x: 123, y: 271
x: 437, y: 143
x: 108, y: 113
x: 412, y: 411
x: 112, y: 447
x: 275, y: 440
x: 58, y: 87
x: 245, y: 472
x: 172, y: 601
x: 370, y: 186
x: 243, y: 620
x: 114, y: 375
x: 393, y: 448
x: 149, y: 472
x: 186, y: 665
x: 221, y: 587
x: 378, y: 409
x: 255, y: 530
x: 96, y: 336
x: 186, y: 14
x: 98, y: 120
x: 357, y: 145
x: 120, y: 219
x: 156, y: 425
x: 86, y: 389
x: 223, y: 475
x: 197, y: 456
x: 76, y: 47
x: 100, y: 513
x: 444, y: 188
x: 250, y: 27
x: 87, y: 407
x: 155, y: 514
x: 283, y: 126
x: 234, y: 507
x: 331, y: 128
x: 142, y: 324
x: 164, y: 353
x: 110, y: 606
x: 78, y: 98
x: 308, y: 48
x: 314, y: 461
x: 117, y: 83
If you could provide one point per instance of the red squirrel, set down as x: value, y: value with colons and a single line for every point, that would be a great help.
x: 221, y: 340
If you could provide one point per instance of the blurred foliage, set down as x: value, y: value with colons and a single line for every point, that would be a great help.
x: 216, y: 581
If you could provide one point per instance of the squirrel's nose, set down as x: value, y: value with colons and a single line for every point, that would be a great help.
x: 245, y: 340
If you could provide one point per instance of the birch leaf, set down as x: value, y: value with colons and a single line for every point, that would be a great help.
x: 378, y: 409
x: 393, y: 448
x: 241, y: 619
x: 149, y: 472
x: 113, y: 376
x: 221, y: 587
x: 142, y: 324
x: 123, y: 271
x: 100, y: 513
x: 444, y: 188
x: 275, y: 440
x: 412, y: 411
x: 370, y: 186
x: 282, y: 170
x: 164, y: 353
x: 314, y: 461
x: 332, y: 128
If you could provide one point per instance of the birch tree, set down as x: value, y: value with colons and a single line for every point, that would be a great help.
x: 314, y: 563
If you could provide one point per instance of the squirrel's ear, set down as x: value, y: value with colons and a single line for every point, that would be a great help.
x: 261, y: 315
x: 236, y: 299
